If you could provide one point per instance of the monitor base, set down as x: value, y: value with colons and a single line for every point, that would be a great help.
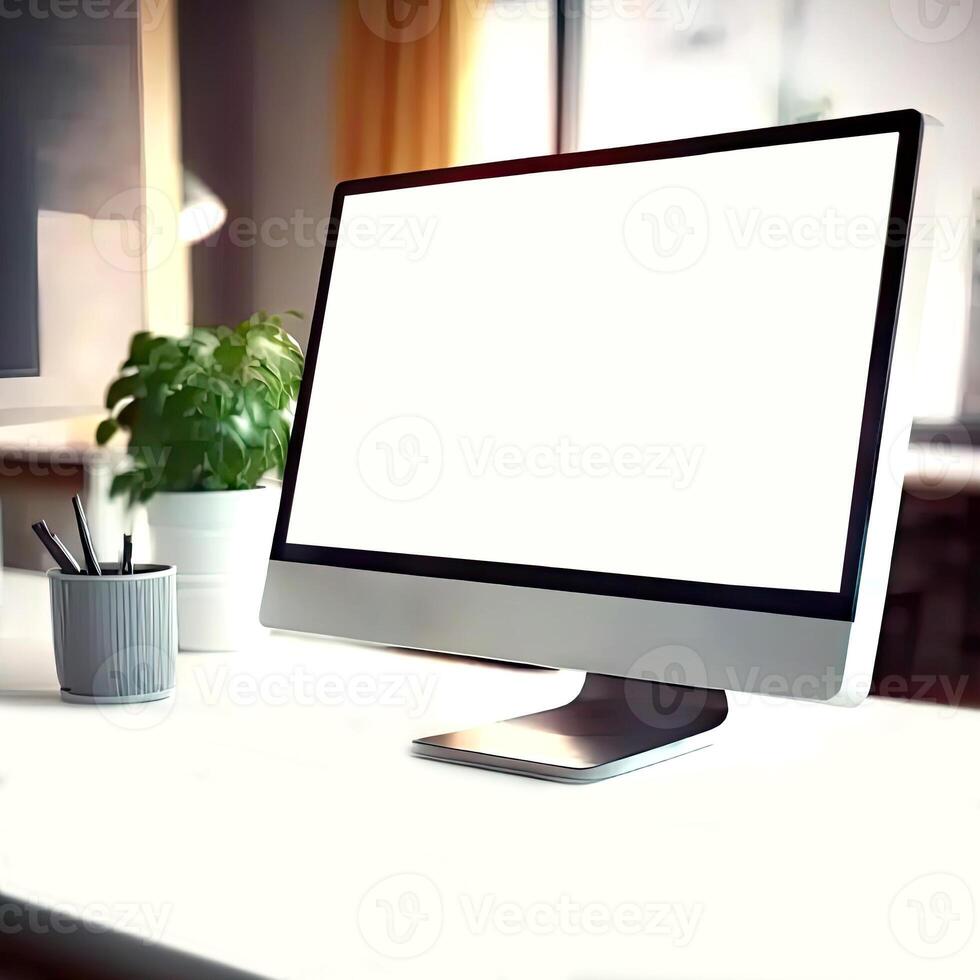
x: 614, y: 725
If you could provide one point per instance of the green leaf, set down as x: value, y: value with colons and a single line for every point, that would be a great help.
x: 167, y: 353
x: 211, y: 407
x: 269, y: 381
x: 186, y: 372
x: 226, y: 458
x: 127, y: 484
x: 183, y: 403
x: 229, y: 356
x: 106, y: 430
x: 128, y: 386
x: 250, y: 434
x: 218, y: 386
x: 184, y: 466
x: 212, y: 481
x: 140, y: 347
x: 129, y: 415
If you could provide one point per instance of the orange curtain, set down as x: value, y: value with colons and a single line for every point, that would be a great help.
x: 402, y: 75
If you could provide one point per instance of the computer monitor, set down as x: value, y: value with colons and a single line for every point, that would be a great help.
x: 637, y: 412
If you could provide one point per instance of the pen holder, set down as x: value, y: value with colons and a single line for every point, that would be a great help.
x: 115, y: 636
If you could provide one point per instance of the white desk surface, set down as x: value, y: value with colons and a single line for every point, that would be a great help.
x: 266, y: 815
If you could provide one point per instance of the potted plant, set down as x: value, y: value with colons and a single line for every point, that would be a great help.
x: 208, y: 415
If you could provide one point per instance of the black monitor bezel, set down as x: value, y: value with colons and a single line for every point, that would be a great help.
x: 909, y: 127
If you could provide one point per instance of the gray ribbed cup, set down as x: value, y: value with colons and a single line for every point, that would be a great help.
x: 115, y: 636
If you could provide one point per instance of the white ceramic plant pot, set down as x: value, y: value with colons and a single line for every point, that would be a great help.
x: 219, y: 540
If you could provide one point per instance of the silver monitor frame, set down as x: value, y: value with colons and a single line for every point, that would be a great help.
x: 707, y: 637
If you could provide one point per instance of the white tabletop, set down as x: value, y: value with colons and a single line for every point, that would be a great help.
x: 270, y: 817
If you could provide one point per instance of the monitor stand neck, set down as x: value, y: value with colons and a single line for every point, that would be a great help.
x: 613, y: 725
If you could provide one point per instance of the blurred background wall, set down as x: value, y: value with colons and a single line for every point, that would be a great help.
x: 258, y: 125
x: 70, y: 143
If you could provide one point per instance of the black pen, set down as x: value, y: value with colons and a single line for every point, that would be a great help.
x: 126, y: 567
x: 62, y: 556
x: 91, y: 562
x: 64, y: 548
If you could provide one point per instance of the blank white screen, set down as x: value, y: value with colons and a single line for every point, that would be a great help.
x: 654, y: 368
